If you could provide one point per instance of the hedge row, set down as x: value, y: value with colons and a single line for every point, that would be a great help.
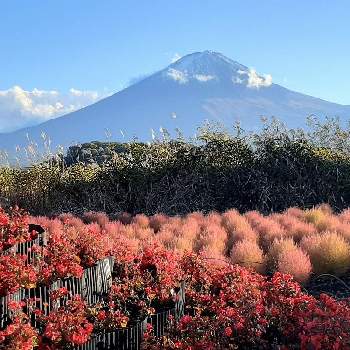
x: 269, y: 171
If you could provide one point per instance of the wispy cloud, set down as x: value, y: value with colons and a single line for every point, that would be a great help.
x: 254, y: 80
x: 204, y: 78
x: 20, y: 107
x: 182, y: 77
x: 177, y: 75
x: 175, y: 58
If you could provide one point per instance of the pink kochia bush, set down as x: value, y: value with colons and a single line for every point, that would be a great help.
x: 267, y: 228
x: 296, y: 263
x: 248, y: 254
x: 77, y: 243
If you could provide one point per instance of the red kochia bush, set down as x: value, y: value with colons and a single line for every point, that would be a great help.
x: 238, y: 228
x: 267, y: 228
x: 157, y: 221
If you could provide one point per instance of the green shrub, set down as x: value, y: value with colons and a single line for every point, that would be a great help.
x: 268, y: 171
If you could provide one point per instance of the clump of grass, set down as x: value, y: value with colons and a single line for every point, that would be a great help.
x: 212, y: 237
x: 125, y: 218
x: 294, y: 226
x: 99, y: 217
x: 157, y: 221
x: 344, y: 216
x: 295, y: 212
x: 320, y: 216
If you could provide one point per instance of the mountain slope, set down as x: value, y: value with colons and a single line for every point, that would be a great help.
x: 200, y: 86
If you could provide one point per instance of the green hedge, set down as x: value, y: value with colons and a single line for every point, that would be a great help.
x: 269, y: 171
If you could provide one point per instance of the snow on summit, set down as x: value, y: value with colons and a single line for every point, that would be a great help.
x: 213, y: 66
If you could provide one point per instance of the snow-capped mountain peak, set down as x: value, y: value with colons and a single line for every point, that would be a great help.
x: 213, y: 66
x: 197, y: 87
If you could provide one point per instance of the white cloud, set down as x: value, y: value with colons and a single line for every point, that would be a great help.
x: 178, y: 75
x: 182, y: 77
x: 204, y: 78
x: 175, y: 58
x: 237, y: 80
x: 254, y: 80
x: 89, y: 94
x: 19, y: 107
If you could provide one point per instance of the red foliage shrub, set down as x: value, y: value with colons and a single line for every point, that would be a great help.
x: 19, y: 335
x: 325, y: 325
x: 14, y: 228
x: 14, y: 273
x: 64, y: 328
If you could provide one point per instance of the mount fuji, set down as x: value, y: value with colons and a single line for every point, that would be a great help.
x: 198, y: 87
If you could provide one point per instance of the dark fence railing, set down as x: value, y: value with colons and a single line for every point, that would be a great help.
x: 94, y: 284
x: 25, y: 248
x: 92, y: 287
x: 160, y: 320
x: 130, y: 338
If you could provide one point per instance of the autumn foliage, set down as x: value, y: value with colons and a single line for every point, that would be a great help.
x: 241, y: 271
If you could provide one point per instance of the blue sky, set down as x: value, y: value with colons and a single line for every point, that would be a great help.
x: 97, y: 46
